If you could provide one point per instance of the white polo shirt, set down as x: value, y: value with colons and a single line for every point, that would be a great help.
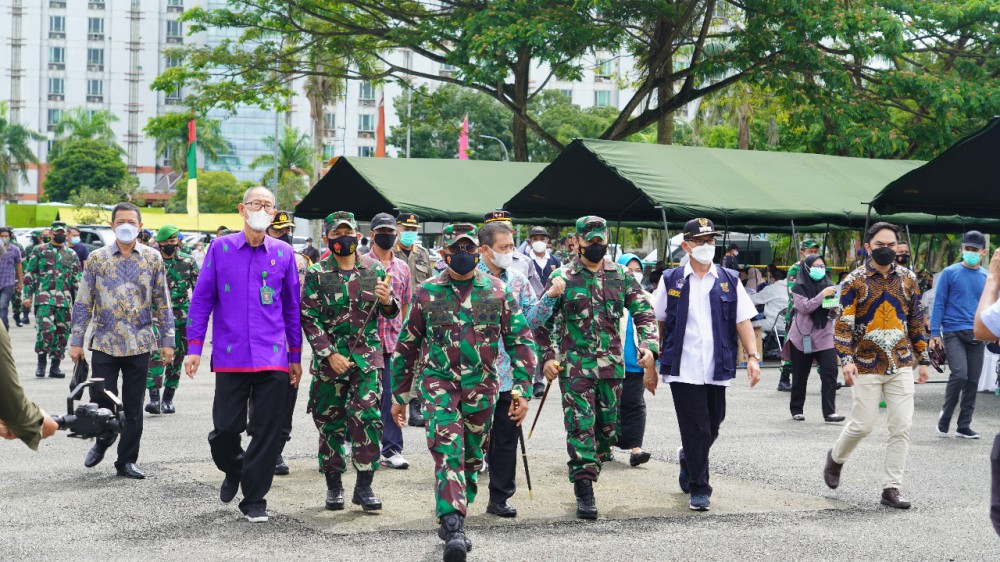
x: 698, y: 353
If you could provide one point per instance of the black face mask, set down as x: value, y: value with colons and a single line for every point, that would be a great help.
x: 902, y: 259
x: 384, y: 240
x: 884, y: 256
x: 595, y: 252
x: 59, y: 238
x: 286, y: 238
x: 343, y: 246
x: 168, y: 249
x: 46, y: 239
x: 462, y: 262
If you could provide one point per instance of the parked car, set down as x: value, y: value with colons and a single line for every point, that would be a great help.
x: 96, y: 236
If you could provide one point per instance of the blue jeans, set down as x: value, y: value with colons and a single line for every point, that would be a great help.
x: 6, y: 294
x: 392, y: 434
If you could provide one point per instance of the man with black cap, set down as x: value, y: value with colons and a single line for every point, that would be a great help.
x: 310, y: 251
x: 418, y: 259
x: 543, y: 260
x: 952, y: 321
x: 707, y: 310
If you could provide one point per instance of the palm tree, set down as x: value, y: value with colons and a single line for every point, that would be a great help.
x: 171, y: 133
x: 294, y: 153
x: 79, y: 123
x: 15, y: 153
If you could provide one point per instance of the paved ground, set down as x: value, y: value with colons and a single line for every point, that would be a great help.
x: 770, y: 499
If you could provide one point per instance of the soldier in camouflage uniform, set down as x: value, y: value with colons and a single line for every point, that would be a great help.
x: 587, y: 315
x: 340, y: 299
x: 455, y: 325
x: 20, y: 317
x: 182, y: 275
x: 418, y: 259
x: 50, y: 283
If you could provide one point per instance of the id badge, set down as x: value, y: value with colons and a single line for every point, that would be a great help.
x: 807, y: 344
x: 266, y: 295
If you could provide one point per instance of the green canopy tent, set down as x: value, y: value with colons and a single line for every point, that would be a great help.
x: 437, y: 190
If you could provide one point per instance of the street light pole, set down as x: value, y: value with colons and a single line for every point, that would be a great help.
x: 505, y: 155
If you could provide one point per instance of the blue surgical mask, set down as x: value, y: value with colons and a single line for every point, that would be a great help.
x: 971, y: 259
x: 408, y: 238
x: 75, y: 240
x: 817, y: 273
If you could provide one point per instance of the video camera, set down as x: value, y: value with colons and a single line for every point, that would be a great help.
x: 90, y: 420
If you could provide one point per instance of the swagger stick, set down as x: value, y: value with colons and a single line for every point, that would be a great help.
x: 540, y: 404
x: 376, y: 304
x: 515, y: 395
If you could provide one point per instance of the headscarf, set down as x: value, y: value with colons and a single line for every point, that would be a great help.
x: 805, y: 286
x: 754, y: 279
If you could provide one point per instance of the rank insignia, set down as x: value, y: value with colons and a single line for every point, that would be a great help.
x: 673, y: 293
x: 724, y: 287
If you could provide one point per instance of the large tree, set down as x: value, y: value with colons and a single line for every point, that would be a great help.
x: 83, y: 163
x: 295, y: 154
x: 171, y: 133
x: 218, y: 192
x: 15, y: 153
x: 80, y: 123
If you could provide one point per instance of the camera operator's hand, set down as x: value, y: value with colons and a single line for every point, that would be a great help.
x: 167, y: 355
x: 191, y: 364
x: 6, y: 433
x: 49, y: 426
x: 75, y: 353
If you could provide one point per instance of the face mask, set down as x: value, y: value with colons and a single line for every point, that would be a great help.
x: 385, y: 240
x: 703, y: 254
x: 884, y: 256
x: 735, y: 253
x: 126, y: 233
x: 3, y: 242
x: 539, y: 246
x: 75, y: 240
x: 286, y: 238
x: 462, y: 262
x: 817, y: 273
x: 902, y: 259
x: 503, y: 261
x: 595, y: 252
x: 168, y: 249
x: 971, y: 258
x: 343, y: 246
x: 638, y: 276
x: 408, y: 238
x: 46, y: 239
x: 59, y: 238
x: 258, y: 220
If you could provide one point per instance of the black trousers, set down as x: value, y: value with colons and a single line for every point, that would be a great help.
x: 801, y: 366
x: 965, y: 361
x: 633, y: 412
x: 995, y: 493
x: 700, y: 409
x: 267, y: 392
x: 286, y: 422
x: 502, y: 452
x: 133, y: 369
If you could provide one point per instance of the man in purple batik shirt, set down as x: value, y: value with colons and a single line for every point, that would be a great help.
x: 251, y: 283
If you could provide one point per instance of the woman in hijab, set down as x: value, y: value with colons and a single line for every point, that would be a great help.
x: 810, y: 337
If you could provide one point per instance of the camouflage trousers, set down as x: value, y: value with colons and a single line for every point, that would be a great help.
x: 168, y: 376
x: 458, y: 415
x: 53, y: 325
x: 347, y: 406
x: 590, y: 414
x: 18, y: 306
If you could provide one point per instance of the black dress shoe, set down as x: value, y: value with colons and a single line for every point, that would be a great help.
x: 96, y: 454
x: 228, y: 489
x: 130, y: 470
x: 538, y: 390
x: 891, y: 498
x: 635, y: 459
x: 834, y: 418
x: 280, y: 467
x: 502, y: 509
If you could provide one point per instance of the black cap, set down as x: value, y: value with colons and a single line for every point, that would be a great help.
x: 498, y: 215
x: 408, y: 219
x: 975, y: 239
x: 383, y: 220
x: 699, y: 227
x: 733, y: 246
x: 538, y: 231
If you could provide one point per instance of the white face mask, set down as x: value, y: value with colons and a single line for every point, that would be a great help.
x: 703, y: 254
x: 503, y: 261
x: 3, y: 242
x: 258, y: 220
x: 539, y: 246
x: 126, y: 233
x: 638, y: 276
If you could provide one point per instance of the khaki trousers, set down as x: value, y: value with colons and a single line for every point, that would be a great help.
x: 868, y: 391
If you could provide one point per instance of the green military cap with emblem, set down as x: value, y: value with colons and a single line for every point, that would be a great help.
x: 591, y: 226
x: 333, y: 220
x: 58, y: 225
x: 809, y: 243
x: 454, y: 233
x: 166, y: 232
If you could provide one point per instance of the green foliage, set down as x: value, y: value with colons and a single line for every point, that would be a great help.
x: 171, y: 133
x: 80, y: 123
x: 294, y: 152
x: 218, y: 192
x: 15, y: 152
x: 91, y: 203
x: 291, y: 189
x: 83, y: 163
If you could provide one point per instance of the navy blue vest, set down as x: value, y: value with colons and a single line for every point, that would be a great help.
x: 722, y: 298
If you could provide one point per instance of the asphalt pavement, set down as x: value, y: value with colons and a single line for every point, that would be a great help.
x: 770, y: 501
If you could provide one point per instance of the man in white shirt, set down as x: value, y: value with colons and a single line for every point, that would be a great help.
x: 774, y: 297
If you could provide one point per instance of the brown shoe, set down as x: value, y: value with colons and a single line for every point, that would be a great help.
x: 891, y: 498
x: 831, y: 473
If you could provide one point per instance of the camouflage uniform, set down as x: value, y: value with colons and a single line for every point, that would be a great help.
x: 335, y: 305
x: 587, y: 316
x: 454, y: 341
x: 15, y: 299
x: 182, y: 275
x: 50, y: 282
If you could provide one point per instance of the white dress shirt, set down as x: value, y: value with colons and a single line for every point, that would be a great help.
x: 774, y: 297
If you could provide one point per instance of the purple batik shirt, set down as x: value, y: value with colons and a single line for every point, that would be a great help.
x: 247, y: 335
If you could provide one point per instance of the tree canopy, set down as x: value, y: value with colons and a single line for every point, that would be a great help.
x: 171, y: 133
x: 15, y: 152
x: 218, y: 192
x: 295, y: 153
x: 80, y: 123
x: 83, y: 163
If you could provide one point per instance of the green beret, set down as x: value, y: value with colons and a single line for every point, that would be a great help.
x: 166, y: 232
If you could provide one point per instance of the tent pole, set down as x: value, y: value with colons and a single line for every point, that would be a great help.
x: 795, y: 240
x: 908, y: 243
x: 666, y: 235
x: 749, y: 235
x: 914, y: 250
x: 618, y: 237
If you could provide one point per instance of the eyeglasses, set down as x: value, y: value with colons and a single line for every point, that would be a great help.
x: 696, y: 242
x: 464, y: 247
x: 258, y: 205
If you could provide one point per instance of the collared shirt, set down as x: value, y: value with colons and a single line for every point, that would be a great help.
x: 8, y: 265
x: 882, y: 326
x: 247, y: 335
x: 399, y: 280
x: 126, y: 296
x: 698, y: 354
x: 536, y: 311
x: 774, y: 297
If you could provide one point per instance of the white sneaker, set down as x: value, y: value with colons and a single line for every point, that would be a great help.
x: 395, y: 461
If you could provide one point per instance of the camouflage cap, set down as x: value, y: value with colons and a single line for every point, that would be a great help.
x: 453, y: 233
x: 590, y: 227
x: 58, y: 225
x: 333, y: 220
x: 809, y: 243
x: 282, y: 219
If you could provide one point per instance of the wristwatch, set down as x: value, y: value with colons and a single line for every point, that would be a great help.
x: 845, y: 360
x: 754, y: 355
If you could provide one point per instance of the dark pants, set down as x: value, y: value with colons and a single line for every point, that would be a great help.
x: 133, y: 371
x: 700, y: 409
x: 392, y: 434
x: 6, y: 295
x: 502, y: 452
x: 633, y: 412
x: 965, y: 361
x: 267, y: 392
x: 801, y: 366
x: 995, y: 496
x: 286, y: 421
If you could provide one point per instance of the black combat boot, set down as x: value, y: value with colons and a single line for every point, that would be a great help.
x: 334, y: 492
x: 785, y: 382
x: 586, y: 505
x: 416, y: 415
x: 452, y: 532
x: 363, y: 493
x: 54, y: 371
x: 168, y: 400
x: 40, y: 371
x: 154, y: 406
